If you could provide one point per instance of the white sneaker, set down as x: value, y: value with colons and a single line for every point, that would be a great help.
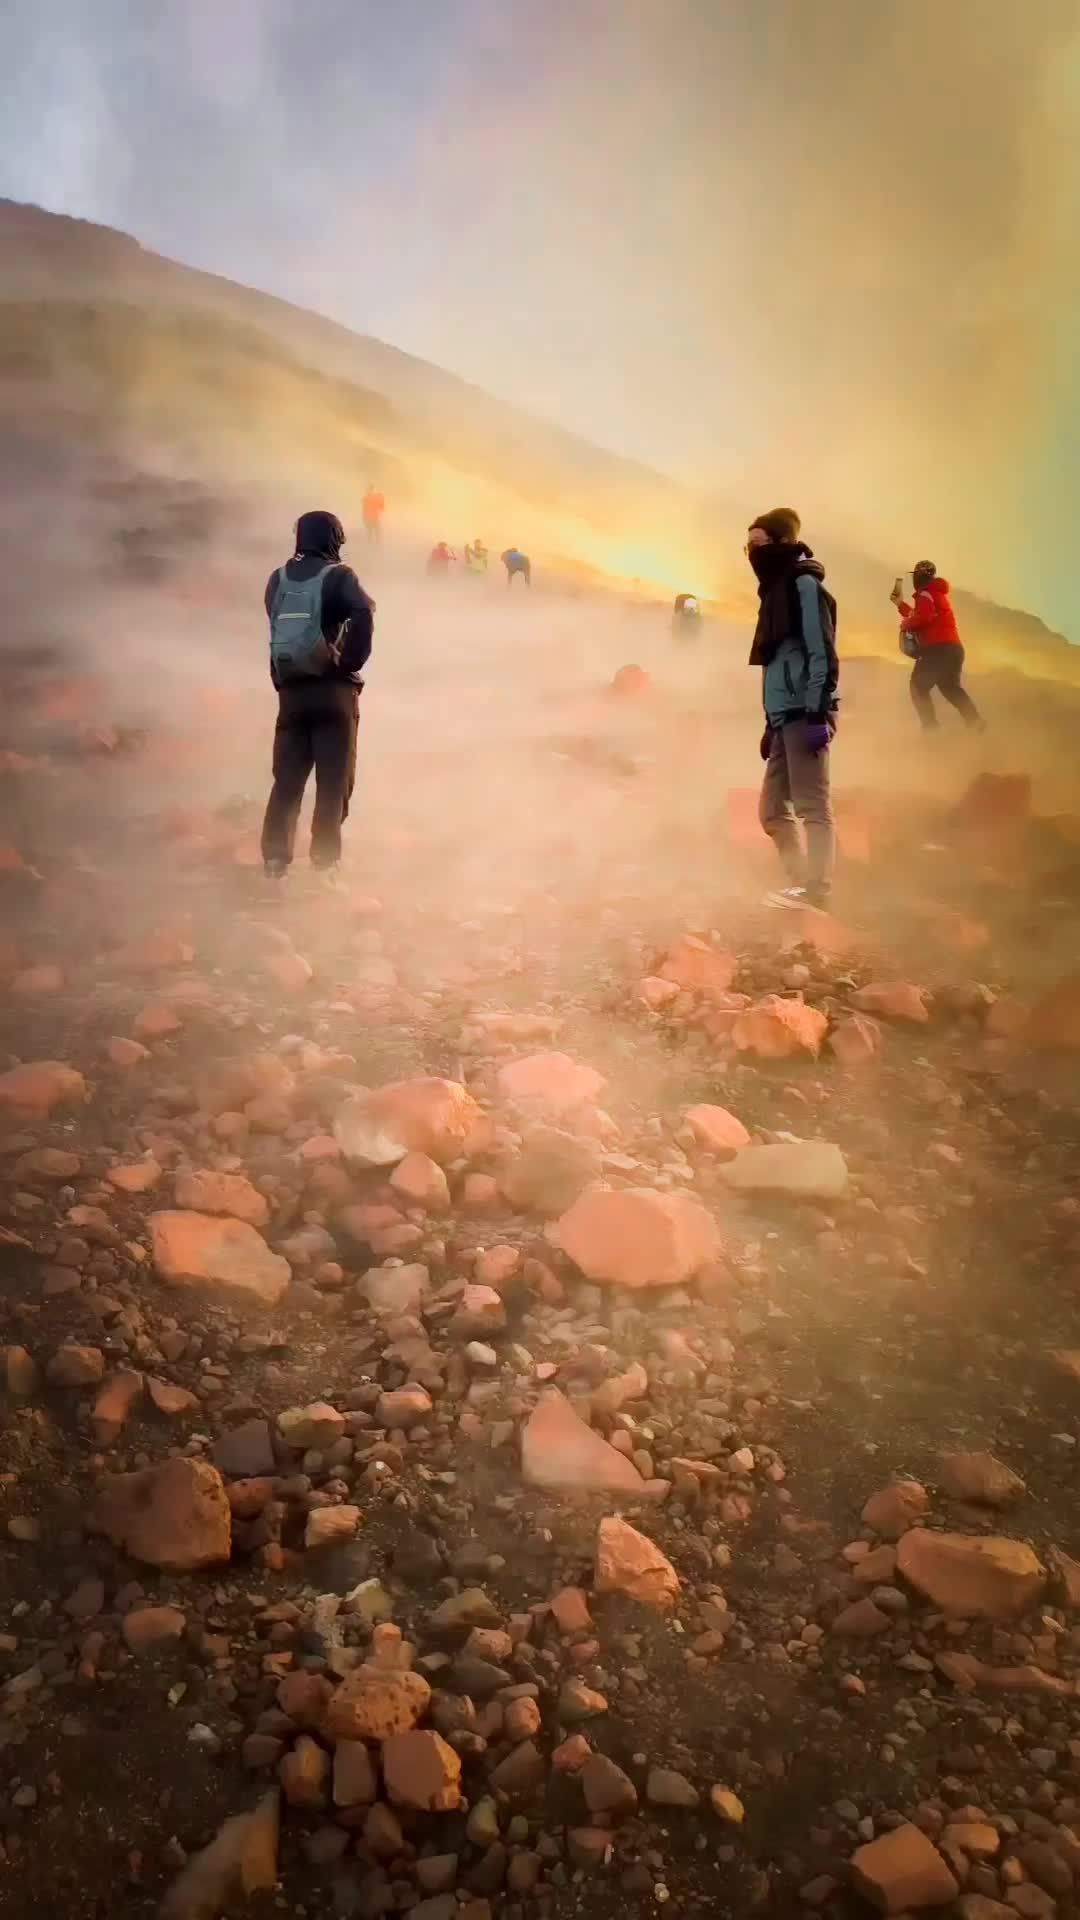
x: 329, y: 880
x: 788, y: 897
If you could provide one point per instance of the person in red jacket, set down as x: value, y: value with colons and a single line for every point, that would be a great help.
x: 930, y: 622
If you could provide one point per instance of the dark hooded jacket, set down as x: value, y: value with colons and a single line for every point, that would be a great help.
x: 795, y: 636
x: 348, y: 613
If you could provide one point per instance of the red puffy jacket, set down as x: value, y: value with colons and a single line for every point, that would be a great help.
x: 931, y: 618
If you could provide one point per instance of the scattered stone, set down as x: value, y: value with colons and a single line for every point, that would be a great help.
x: 372, y: 1705
x: 317, y: 1425
x: 984, y: 1578
x: 230, y: 1194
x: 422, y: 1183
x: 896, y: 1508
x: 560, y: 1452
x: 404, y: 1407
x: 903, y: 1871
x: 146, y: 1628
x: 727, y: 1806
x: 551, y: 1170
x: 801, y: 1169
x: 606, y: 1787
x: 981, y: 1479
x: 552, y: 1081
x: 420, y: 1770
x: 304, y: 1773
x: 628, y: 1562
x: 894, y: 1000
x: 197, y: 1250
x: 40, y: 1086
x: 428, y: 1115
x: 778, y: 1029
x: 856, y: 1041
x: 329, y: 1526
x: 355, y: 1783
x: 638, y: 1237
x: 174, y: 1516
x: 717, y: 1131
x: 75, y: 1366
x: 247, y: 1451
x: 241, y: 1860
x: 666, y: 1788
x: 112, y: 1408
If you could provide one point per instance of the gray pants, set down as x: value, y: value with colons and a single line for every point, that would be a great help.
x: 796, y: 789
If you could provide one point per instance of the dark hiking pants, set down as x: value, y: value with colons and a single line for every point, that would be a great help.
x: 316, y: 727
x: 794, y: 793
x: 938, y: 669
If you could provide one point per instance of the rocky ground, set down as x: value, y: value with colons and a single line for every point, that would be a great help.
x: 532, y: 1411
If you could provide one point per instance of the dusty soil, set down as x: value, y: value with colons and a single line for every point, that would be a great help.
x: 523, y: 842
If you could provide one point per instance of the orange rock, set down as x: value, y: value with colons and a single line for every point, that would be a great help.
x: 497, y: 1265
x: 637, y: 1237
x: 560, y: 1452
x: 195, y: 1250
x: 41, y: 1085
x: 428, y: 1115
x: 894, y: 1000
x: 241, y: 1860
x: 119, y: 1393
x: 619, y: 1389
x: 987, y: 1577
x: 479, y: 1311
x: 404, y: 1407
x: 289, y: 970
x: 169, y: 1399
x: 305, y: 1698
x: 570, y: 1610
x: 156, y: 1020
x: 420, y: 1770
x: 1054, y: 1021
x: 777, y: 1029
x: 330, y: 1526
x: 895, y: 1508
x: 145, y: 1628
x: 632, y: 682
x: 903, y: 1871
x: 371, y: 1705
x: 157, y: 952
x: 35, y: 981
x: 139, y: 1177
x: 717, y: 1130
x: 630, y: 1563
x: 552, y: 1081
x: 422, y: 1183
x: 479, y: 1193
x: 75, y: 1366
x: 698, y: 967
x: 355, y: 1783
x: 656, y: 994
x: 125, y: 1053
x: 230, y: 1194
x: 248, y: 1498
x: 856, y: 1041
x: 304, y: 1773
x: 174, y: 1516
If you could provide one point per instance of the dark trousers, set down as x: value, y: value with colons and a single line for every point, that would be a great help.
x: 938, y: 669
x: 316, y: 727
x: 794, y: 794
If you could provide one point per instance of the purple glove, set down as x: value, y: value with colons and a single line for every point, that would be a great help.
x: 766, y: 743
x: 818, y: 736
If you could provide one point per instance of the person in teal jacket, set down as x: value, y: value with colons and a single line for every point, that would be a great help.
x: 795, y: 647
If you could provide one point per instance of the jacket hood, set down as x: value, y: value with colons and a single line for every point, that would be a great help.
x: 938, y: 587
x: 321, y: 534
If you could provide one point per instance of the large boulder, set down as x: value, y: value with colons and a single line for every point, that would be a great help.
x: 561, y: 1453
x: 175, y: 1516
x: 197, y: 1250
x: 637, y: 1237
x: 987, y: 1577
x: 801, y: 1169
x: 372, y: 1705
x: 427, y: 1115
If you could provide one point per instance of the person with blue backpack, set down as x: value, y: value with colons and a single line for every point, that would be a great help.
x: 321, y: 626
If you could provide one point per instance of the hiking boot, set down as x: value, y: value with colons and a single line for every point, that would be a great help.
x: 330, y: 880
x: 788, y: 897
x: 275, y: 869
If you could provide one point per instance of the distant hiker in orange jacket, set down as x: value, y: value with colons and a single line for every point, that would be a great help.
x: 929, y: 624
x: 373, y: 510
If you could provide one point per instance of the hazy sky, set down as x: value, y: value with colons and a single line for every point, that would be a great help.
x: 814, y: 250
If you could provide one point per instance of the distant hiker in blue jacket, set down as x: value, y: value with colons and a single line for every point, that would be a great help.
x: 795, y: 646
x: 321, y: 624
x: 516, y: 562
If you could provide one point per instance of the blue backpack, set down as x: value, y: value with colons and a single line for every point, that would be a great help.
x: 298, y: 647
